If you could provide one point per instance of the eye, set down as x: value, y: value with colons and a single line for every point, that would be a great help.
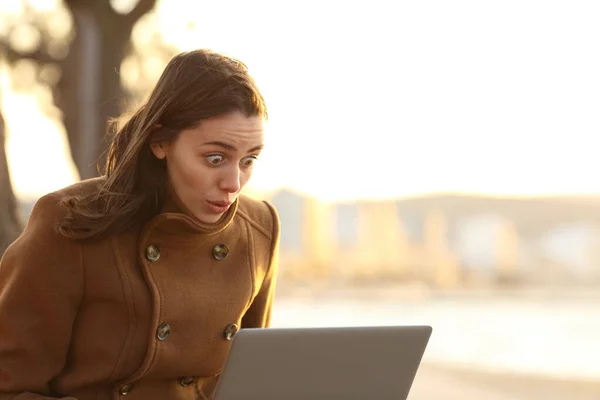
x: 215, y: 159
x: 249, y: 161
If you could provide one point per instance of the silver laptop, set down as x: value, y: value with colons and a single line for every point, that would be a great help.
x: 323, y: 363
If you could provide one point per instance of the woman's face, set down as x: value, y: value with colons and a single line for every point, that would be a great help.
x: 209, y: 165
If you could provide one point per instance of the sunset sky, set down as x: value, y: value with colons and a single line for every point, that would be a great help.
x: 386, y: 98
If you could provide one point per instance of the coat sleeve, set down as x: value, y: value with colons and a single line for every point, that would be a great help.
x: 41, y: 284
x: 259, y: 313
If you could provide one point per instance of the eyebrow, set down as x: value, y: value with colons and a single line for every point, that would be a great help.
x: 232, y: 148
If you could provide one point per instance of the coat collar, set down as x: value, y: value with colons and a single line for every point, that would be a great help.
x: 179, y: 219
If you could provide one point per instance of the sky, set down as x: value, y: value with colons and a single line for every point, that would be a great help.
x: 380, y: 99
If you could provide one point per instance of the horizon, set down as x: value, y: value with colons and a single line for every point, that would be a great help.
x: 30, y: 197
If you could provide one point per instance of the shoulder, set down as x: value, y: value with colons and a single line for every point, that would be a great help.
x: 41, y: 244
x: 84, y: 187
x: 261, y: 214
x: 48, y: 210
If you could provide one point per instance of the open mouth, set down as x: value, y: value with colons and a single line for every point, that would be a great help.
x: 218, y: 207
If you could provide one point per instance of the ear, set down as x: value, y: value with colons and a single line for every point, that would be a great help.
x: 159, y: 149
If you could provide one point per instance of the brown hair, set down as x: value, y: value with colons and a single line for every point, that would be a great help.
x: 10, y: 222
x: 194, y: 86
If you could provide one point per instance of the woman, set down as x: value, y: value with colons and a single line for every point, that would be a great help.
x: 134, y: 284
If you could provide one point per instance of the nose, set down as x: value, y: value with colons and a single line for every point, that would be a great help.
x: 230, y: 181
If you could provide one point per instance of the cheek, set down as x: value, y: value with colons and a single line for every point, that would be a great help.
x: 191, y: 174
x: 200, y: 176
x: 245, y: 177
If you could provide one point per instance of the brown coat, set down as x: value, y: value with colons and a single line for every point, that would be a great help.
x: 148, y: 313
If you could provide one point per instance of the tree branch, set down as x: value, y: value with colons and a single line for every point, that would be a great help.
x: 142, y: 8
x: 13, y: 55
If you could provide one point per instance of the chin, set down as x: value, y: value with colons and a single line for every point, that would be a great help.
x: 210, y: 218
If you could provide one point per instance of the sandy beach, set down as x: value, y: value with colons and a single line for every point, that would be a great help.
x: 434, y: 382
x: 529, y: 345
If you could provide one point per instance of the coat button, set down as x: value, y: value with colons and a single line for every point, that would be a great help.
x: 125, y: 389
x: 186, y: 380
x: 230, y: 331
x: 163, y: 331
x: 220, y: 251
x: 152, y: 253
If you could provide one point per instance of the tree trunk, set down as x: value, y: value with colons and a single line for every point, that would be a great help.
x: 10, y: 223
x: 90, y: 92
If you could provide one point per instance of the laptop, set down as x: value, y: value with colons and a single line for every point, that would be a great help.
x: 323, y: 363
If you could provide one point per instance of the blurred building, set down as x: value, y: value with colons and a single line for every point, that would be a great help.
x: 376, y: 245
x: 571, y: 253
x: 487, y: 247
x: 441, y: 264
x: 307, y: 235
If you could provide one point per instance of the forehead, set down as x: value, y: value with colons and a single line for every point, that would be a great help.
x: 235, y: 127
